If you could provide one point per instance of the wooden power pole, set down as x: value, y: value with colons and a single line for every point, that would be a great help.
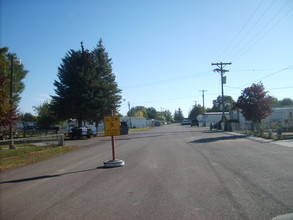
x: 223, y: 81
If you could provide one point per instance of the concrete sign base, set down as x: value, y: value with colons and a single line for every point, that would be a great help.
x: 114, y: 163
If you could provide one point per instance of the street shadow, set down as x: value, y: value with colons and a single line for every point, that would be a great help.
x: 213, y: 139
x: 47, y: 176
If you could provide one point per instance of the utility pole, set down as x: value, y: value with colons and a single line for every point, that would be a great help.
x: 204, y: 123
x: 11, y: 143
x: 130, y: 126
x: 223, y: 81
x: 203, y: 97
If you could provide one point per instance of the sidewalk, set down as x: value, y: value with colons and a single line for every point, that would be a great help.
x: 286, y: 143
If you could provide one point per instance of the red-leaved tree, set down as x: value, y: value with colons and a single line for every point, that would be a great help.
x: 254, y: 103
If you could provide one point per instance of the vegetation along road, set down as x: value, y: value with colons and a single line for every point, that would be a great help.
x: 171, y: 172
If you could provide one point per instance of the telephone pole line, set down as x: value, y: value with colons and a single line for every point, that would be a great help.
x: 204, y: 123
x: 223, y: 81
x: 203, y: 97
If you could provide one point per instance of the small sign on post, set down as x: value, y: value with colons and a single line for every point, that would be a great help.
x: 112, y: 125
x: 112, y: 128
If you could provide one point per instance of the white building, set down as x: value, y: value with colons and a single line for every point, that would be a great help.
x: 212, y: 117
x: 282, y: 116
x: 134, y: 122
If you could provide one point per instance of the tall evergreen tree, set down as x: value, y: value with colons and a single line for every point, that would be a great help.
x: 73, y: 90
x: 178, y: 115
x: 86, y: 89
x: 107, y: 92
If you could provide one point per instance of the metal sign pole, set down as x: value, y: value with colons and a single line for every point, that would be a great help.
x: 112, y: 128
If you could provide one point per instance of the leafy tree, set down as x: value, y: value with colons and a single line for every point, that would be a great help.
x: 196, y: 111
x: 217, y: 104
x: 137, y: 111
x: 86, y: 89
x: 178, y: 115
x: 286, y: 102
x: 46, y: 117
x: 25, y: 118
x: 151, y: 113
x: 139, y: 114
x: 5, y: 112
x: 160, y: 116
x: 209, y: 110
x: 168, y: 116
x: 275, y: 102
x: 8, y: 61
x: 254, y: 103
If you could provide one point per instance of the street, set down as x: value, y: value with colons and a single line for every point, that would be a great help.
x: 170, y: 172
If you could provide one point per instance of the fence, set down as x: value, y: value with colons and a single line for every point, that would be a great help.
x: 48, y: 140
x: 269, y: 130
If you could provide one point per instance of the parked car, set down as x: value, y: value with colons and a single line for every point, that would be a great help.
x: 79, y: 132
x: 123, y: 128
x: 186, y: 122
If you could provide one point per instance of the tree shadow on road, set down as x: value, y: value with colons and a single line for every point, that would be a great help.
x: 221, y: 138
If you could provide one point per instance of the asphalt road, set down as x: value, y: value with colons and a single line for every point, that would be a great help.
x: 171, y: 172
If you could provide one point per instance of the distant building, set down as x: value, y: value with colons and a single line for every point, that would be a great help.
x: 282, y: 116
x: 132, y: 122
x: 135, y: 122
x: 212, y: 117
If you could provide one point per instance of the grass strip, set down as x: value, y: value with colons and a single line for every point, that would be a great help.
x: 30, y: 154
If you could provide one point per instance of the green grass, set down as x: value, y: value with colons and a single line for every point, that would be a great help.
x: 28, y: 154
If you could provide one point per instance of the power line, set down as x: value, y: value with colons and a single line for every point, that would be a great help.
x: 256, y: 37
x: 271, y: 74
x: 252, y: 27
x: 289, y: 87
x: 243, y: 27
x: 185, y: 77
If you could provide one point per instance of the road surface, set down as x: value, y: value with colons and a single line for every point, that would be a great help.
x: 171, y: 172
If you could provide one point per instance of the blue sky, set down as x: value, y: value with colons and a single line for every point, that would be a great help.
x: 161, y: 50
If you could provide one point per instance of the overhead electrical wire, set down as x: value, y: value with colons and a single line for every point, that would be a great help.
x: 259, y: 79
x: 243, y: 27
x: 251, y: 28
x: 185, y: 77
x: 257, y: 37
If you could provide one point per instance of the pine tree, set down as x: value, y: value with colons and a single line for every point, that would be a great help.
x: 107, y: 93
x: 74, y: 88
x: 86, y: 89
x: 178, y: 115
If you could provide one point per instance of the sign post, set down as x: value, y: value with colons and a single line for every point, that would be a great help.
x: 112, y: 128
